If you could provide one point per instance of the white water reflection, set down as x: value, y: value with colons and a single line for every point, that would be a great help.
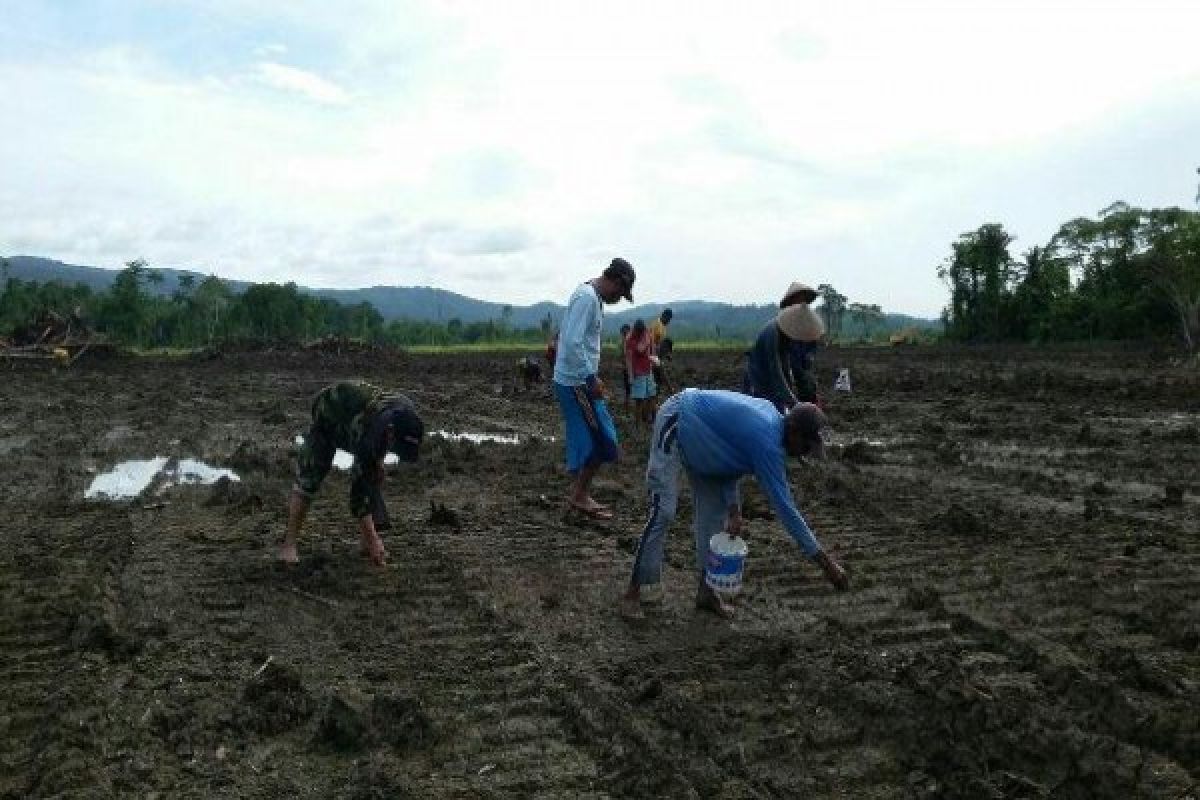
x: 479, y: 438
x: 125, y: 480
x: 191, y: 471
x: 130, y: 478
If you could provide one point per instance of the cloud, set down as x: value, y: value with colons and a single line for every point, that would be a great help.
x: 293, y: 79
x: 270, y: 49
x: 450, y: 142
x: 502, y: 241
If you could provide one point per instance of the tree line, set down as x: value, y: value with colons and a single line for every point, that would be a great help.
x: 1128, y: 273
x: 207, y: 312
x: 135, y: 311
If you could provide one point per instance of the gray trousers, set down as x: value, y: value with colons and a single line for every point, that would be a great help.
x: 663, y: 472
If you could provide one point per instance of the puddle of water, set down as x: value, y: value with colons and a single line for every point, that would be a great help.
x: 10, y: 444
x: 130, y: 478
x: 125, y: 480
x: 479, y: 438
x: 191, y: 471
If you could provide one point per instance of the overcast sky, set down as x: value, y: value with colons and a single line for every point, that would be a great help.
x: 507, y: 150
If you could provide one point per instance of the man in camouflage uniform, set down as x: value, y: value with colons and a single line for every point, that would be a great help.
x: 368, y: 423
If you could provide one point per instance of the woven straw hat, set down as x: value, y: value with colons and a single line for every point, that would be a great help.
x: 800, y: 323
x: 798, y: 293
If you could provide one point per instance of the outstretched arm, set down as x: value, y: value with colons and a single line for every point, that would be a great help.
x: 773, y: 479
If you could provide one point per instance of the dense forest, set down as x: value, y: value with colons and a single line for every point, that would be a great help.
x: 1129, y: 273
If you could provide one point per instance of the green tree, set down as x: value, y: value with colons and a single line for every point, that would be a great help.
x: 979, y: 274
x: 868, y: 316
x: 832, y: 308
x: 211, y: 301
x: 125, y: 312
x: 1172, y: 264
x: 1041, y: 300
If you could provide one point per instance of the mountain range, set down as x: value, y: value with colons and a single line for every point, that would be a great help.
x: 695, y: 317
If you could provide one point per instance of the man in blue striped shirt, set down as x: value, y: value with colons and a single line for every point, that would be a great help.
x: 717, y: 437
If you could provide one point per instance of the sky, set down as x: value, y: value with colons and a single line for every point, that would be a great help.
x: 508, y: 150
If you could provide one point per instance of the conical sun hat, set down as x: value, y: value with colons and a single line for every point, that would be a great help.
x: 800, y: 323
x: 798, y: 293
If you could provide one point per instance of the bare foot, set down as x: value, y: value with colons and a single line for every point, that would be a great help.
x: 710, y: 601
x: 630, y: 608
x: 372, y: 547
x: 288, y: 554
x: 591, y: 508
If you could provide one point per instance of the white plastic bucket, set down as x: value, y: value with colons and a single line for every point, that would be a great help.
x: 725, y: 563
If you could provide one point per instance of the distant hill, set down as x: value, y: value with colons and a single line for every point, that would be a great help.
x: 693, y: 318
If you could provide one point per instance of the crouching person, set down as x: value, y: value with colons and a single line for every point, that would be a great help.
x: 717, y: 437
x: 369, y: 424
x: 529, y: 371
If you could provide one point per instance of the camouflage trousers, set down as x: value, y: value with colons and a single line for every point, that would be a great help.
x: 314, y: 459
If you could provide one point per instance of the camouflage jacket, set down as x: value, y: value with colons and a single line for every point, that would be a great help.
x: 344, y: 412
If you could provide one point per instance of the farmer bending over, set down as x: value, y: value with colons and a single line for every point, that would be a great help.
x: 779, y: 366
x: 529, y: 370
x: 717, y: 437
x: 367, y: 423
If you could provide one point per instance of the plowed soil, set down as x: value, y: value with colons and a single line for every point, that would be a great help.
x: 1022, y: 528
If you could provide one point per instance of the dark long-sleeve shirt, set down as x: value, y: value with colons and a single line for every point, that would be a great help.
x: 772, y: 364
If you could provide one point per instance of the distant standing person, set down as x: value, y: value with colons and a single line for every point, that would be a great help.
x: 779, y: 365
x: 625, y: 382
x: 658, y: 334
x: 717, y: 437
x: 590, y: 434
x: 638, y: 349
x: 552, y: 349
x: 368, y: 423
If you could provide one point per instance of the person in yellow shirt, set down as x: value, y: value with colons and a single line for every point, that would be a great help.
x: 658, y: 328
x: 658, y: 332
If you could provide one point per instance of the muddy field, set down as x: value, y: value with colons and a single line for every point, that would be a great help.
x: 1022, y: 528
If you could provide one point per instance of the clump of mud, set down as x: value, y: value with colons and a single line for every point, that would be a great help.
x: 441, y: 514
x: 341, y: 726
x: 922, y: 598
x: 233, y: 495
x: 250, y: 456
x: 958, y: 520
x: 861, y: 452
x: 398, y: 721
x: 274, y: 701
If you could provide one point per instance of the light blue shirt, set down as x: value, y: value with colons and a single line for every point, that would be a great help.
x: 579, y: 338
x: 726, y: 435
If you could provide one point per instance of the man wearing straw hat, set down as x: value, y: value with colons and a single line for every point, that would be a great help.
x: 717, y: 437
x: 779, y: 365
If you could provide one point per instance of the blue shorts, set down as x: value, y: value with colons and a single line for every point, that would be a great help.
x: 591, y: 435
x: 643, y: 387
